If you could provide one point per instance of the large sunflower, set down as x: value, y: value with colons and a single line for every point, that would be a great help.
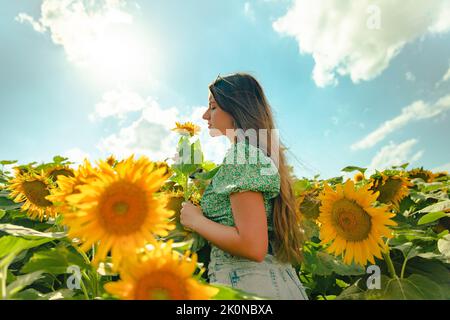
x: 32, y: 188
x: 354, y: 228
x: 120, y: 208
x: 161, y: 274
x: 392, y: 189
x: 187, y: 128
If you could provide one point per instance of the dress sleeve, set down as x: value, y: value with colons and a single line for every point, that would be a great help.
x: 248, y: 177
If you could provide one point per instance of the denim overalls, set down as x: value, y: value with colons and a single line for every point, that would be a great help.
x: 268, y: 279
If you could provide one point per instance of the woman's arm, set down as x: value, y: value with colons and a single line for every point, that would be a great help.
x: 248, y: 239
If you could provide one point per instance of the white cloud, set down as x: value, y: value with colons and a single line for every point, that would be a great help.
x: 151, y: 134
x: 98, y: 37
x: 25, y: 18
x: 344, y: 39
x: 117, y: 103
x: 79, y: 25
x: 418, y: 110
x: 446, y: 76
x: 410, y: 77
x: 76, y: 155
x: 249, y: 11
x: 394, y: 155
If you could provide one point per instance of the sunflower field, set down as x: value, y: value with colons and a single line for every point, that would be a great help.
x: 111, y: 230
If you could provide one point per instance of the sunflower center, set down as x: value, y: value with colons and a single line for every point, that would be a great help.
x: 123, y: 208
x: 160, y: 285
x: 389, y: 190
x: 351, y: 221
x: 36, y: 191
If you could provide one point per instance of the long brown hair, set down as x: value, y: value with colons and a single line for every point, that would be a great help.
x: 242, y: 96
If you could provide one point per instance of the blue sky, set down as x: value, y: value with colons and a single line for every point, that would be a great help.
x: 364, y: 85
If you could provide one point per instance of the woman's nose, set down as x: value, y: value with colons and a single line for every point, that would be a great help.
x: 206, y: 115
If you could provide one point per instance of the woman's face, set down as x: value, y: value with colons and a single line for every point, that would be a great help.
x: 218, y: 119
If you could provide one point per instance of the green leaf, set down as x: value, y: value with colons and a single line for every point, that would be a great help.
x: 431, y: 217
x: 207, y: 175
x: 301, y: 186
x: 353, y: 168
x: 22, y: 282
x: 444, y: 247
x: 59, y: 159
x: 7, y: 162
x: 440, y: 206
x: 14, y: 245
x: 415, y: 287
x: 353, y: 292
x: 408, y: 249
x: 54, y: 260
x: 2, y: 213
x: 403, y: 166
x: 8, y: 204
x: 430, y: 268
x: 324, y: 264
x: 27, y: 232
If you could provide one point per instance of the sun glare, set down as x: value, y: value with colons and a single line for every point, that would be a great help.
x: 119, y: 56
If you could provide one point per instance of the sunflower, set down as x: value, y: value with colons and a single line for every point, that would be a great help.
x: 68, y: 185
x: 119, y: 208
x: 425, y: 175
x: 161, y: 274
x: 358, y: 177
x: 392, y: 189
x: 111, y: 160
x: 354, y: 228
x: 308, y: 204
x: 440, y: 174
x: 187, y: 128
x: 32, y: 188
x: 59, y: 170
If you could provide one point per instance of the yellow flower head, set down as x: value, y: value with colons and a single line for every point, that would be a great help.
x: 187, y: 128
x: 392, y: 189
x: 120, y: 209
x: 425, y: 175
x: 350, y: 223
x: 161, y: 274
x: 32, y: 188
x: 358, y: 177
x: 111, y: 160
x: 68, y: 185
x: 59, y: 170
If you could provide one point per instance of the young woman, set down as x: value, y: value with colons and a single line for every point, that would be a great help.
x: 247, y: 212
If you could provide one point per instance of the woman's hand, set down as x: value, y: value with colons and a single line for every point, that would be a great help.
x: 190, y: 215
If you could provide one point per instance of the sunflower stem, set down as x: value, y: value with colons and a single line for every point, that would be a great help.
x: 3, y: 275
x: 390, y: 265
x: 402, y: 273
x: 83, y: 287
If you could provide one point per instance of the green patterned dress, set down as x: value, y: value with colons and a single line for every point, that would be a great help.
x: 246, y: 168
